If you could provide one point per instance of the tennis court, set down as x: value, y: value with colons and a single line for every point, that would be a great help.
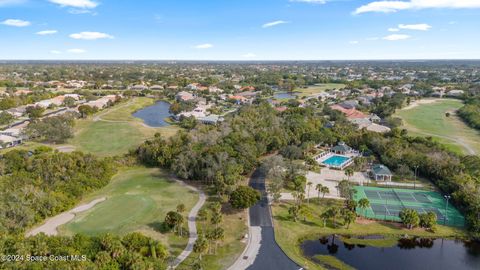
x: 386, y: 204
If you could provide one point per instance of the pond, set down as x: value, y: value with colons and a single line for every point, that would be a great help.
x: 154, y: 116
x: 409, y: 253
x: 284, y: 95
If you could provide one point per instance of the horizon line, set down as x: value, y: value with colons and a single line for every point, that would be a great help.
x: 250, y: 60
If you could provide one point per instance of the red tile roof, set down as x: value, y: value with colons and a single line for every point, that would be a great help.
x: 349, y: 113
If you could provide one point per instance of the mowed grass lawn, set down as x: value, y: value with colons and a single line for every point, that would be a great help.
x: 316, y: 89
x: 137, y: 201
x: 430, y: 120
x: 289, y: 234
x: 115, y: 131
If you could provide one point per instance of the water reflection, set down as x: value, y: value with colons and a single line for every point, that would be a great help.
x: 155, y: 115
x: 408, y: 253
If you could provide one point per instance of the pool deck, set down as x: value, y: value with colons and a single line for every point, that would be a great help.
x: 326, y: 156
x: 329, y: 178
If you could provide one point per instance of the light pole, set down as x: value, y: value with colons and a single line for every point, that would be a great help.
x: 446, y: 208
x: 415, y: 179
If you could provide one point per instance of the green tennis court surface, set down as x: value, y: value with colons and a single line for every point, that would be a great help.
x: 386, y: 204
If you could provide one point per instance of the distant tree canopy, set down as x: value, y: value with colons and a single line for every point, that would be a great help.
x: 6, y: 118
x: 220, y: 155
x: 38, y: 185
x: 86, y: 110
x: 34, y: 112
x: 470, y: 113
x: 55, y: 129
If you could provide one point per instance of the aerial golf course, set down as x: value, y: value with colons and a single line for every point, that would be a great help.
x: 137, y: 200
x: 437, y: 118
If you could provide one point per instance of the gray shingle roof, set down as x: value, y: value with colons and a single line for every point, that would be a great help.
x: 380, y: 169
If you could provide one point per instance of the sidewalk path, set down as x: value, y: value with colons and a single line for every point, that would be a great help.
x: 192, y: 227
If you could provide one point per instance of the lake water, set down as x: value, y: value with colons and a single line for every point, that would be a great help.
x: 154, y: 115
x: 284, y: 96
x: 411, y: 254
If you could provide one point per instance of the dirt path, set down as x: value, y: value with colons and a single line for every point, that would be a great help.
x: 50, y: 226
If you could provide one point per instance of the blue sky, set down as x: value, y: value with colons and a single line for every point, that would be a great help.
x: 239, y: 29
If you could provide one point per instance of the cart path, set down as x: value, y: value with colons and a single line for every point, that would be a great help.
x: 192, y: 226
x: 49, y: 227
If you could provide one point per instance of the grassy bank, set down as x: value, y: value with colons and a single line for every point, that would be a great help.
x: 137, y: 200
x: 430, y: 120
x: 289, y: 234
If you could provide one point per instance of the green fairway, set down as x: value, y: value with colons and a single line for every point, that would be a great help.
x: 430, y: 120
x: 137, y: 200
x: 115, y: 131
x: 318, y: 88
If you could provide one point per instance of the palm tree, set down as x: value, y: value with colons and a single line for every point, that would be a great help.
x: 216, y: 235
x: 364, y: 203
x: 202, y: 216
x: 333, y: 213
x: 181, y: 208
x: 294, y: 211
x: 349, y: 173
x: 318, y: 188
x: 324, y: 191
x: 200, y: 246
x: 216, y: 219
x: 349, y: 217
x: 309, y: 185
x: 325, y: 215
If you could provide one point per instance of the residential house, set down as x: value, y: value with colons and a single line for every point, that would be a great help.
x: 184, y: 96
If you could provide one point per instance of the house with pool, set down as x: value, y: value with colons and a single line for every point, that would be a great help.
x: 337, y: 157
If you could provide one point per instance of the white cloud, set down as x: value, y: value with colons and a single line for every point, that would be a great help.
x: 75, y: 3
x: 310, y: 1
x: 420, y: 27
x: 353, y: 42
x: 55, y: 52
x: 47, y: 32
x: 204, y: 46
x: 274, y: 23
x: 396, y: 37
x: 76, y: 51
x: 394, y: 6
x: 249, y: 55
x: 393, y: 29
x: 90, y: 35
x: 16, y: 23
x: 10, y: 2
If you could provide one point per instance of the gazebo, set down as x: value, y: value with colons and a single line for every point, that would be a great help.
x: 341, y: 148
x: 381, y: 173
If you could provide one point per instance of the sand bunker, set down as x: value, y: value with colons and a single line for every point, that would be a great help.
x: 50, y: 226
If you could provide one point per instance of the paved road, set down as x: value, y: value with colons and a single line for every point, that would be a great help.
x: 269, y: 256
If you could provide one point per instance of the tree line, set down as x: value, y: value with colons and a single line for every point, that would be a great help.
x: 220, y: 155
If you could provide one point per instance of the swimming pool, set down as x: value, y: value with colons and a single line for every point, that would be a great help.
x: 336, y: 161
